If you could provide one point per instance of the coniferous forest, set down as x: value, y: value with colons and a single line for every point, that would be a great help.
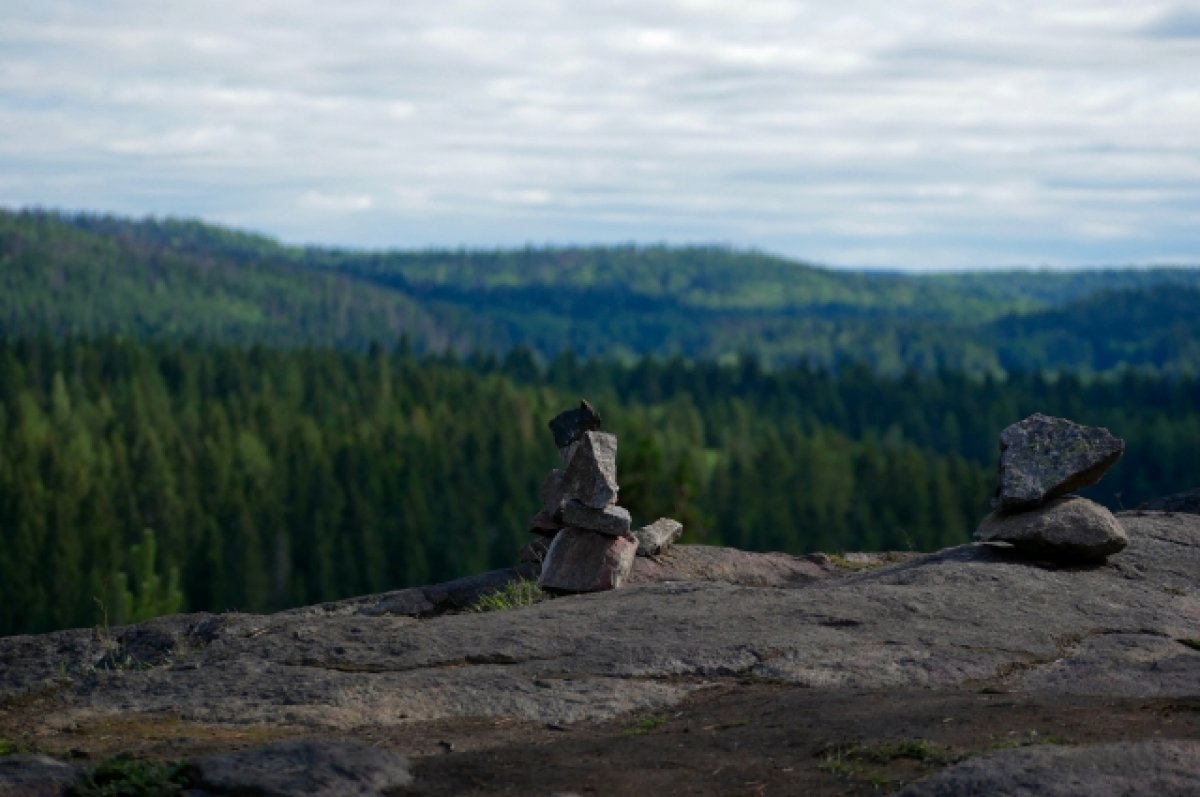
x: 140, y: 478
x: 164, y: 447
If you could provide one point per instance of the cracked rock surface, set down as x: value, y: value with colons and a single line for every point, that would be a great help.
x: 968, y: 618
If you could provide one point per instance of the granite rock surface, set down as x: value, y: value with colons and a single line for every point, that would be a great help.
x: 971, y: 618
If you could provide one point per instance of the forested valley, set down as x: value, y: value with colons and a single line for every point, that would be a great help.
x: 139, y: 477
x: 86, y: 275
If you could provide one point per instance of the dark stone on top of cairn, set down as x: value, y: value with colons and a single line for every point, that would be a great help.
x: 569, y: 426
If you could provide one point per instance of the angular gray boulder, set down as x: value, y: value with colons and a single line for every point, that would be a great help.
x: 584, y: 561
x: 591, y: 475
x: 1069, y: 528
x: 658, y: 536
x: 327, y: 767
x: 1043, y: 457
x: 611, y: 520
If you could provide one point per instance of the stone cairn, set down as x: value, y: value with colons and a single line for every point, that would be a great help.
x: 1042, y: 461
x: 586, y: 543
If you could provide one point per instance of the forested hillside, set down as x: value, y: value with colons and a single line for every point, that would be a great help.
x: 181, y: 280
x: 137, y: 478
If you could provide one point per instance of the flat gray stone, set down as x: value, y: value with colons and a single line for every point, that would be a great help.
x: 1043, y: 457
x: 1070, y: 529
x: 612, y: 520
x: 697, y: 563
x: 35, y: 776
x: 591, y: 475
x: 586, y: 561
x: 1169, y: 768
x: 305, y: 768
x: 658, y: 536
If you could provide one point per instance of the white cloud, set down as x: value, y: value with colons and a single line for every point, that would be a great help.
x: 862, y: 132
x: 337, y: 203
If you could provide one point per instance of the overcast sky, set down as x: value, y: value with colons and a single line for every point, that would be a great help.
x: 858, y: 133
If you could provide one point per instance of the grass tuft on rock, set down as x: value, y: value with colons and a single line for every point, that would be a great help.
x: 870, y: 763
x: 8, y: 748
x: 514, y: 594
x: 645, y: 725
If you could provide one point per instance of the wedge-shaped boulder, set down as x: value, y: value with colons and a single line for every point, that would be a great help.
x: 591, y: 475
x: 1043, y: 457
x: 611, y: 520
x: 584, y: 561
x: 1069, y: 528
x: 658, y: 536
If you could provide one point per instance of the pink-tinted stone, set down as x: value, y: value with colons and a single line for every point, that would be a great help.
x: 584, y: 561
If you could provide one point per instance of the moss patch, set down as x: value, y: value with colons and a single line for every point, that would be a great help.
x: 885, y: 764
x: 645, y: 725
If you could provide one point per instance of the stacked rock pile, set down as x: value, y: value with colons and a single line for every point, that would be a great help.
x: 1042, y: 461
x: 590, y: 545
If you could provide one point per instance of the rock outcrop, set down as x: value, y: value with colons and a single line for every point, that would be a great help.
x: 967, y: 618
